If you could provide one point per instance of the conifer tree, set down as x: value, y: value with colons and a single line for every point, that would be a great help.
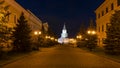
x: 82, y: 33
x: 91, y: 42
x: 112, y: 42
x: 5, y: 31
x: 22, y: 38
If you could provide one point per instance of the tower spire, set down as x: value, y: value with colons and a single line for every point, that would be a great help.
x: 64, y: 27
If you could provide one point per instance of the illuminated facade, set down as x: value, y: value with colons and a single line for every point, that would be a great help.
x: 103, y: 15
x: 15, y: 11
x: 64, y: 35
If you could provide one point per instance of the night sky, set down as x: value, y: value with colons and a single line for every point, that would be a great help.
x: 58, y: 12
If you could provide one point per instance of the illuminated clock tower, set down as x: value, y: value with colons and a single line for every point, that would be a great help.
x: 64, y: 35
x: 64, y: 32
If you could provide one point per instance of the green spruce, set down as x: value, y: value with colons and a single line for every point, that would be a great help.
x: 91, y: 39
x: 22, y: 38
x: 112, y: 42
x: 5, y: 31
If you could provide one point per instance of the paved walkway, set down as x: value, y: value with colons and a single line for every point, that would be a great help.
x: 63, y: 57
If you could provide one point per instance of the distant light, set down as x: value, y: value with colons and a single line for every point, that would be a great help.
x: 39, y: 32
x: 46, y: 37
x: 93, y: 32
x: 89, y: 32
x: 79, y: 36
x: 56, y: 40
x: 52, y: 38
x: 35, y: 32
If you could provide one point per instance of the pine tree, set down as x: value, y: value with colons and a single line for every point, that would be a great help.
x: 82, y: 33
x: 5, y: 31
x: 22, y: 38
x: 91, y: 42
x: 112, y: 42
x: 82, y: 30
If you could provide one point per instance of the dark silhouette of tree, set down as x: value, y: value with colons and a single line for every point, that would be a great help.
x: 91, y: 38
x: 82, y: 29
x: 82, y: 33
x: 112, y: 41
x: 22, y: 38
x: 5, y: 31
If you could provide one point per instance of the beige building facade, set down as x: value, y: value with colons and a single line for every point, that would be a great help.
x: 103, y: 15
x: 15, y: 11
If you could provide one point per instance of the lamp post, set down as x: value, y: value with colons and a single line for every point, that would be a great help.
x: 91, y: 42
x: 79, y: 37
x: 36, y: 33
x: 91, y: 32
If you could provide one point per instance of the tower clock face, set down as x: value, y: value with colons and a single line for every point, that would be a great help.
x: 64, y: 31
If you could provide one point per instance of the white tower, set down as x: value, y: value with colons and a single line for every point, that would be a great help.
x: 64, y: 32
x: 64, y: 35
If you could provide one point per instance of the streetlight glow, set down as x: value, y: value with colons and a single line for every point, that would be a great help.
x: 46, y: 37
x: 52, y: 38
x: 91, y: 32
x: 39, y: 32
x: 35, y: 33
x: 79, y: 36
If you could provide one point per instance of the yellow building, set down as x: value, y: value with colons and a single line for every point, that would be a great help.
x: 103, y: 15
x: 15, y: 9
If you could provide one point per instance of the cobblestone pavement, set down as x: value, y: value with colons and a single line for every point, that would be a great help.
x: 63, y: 57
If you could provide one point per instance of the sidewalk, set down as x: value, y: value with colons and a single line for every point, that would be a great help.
x: 101, y: 53
x: 19, y: 56
x: 14, y: 58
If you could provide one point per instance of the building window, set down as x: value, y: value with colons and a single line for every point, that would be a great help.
x: 102, y: 28
x: 99, y: 28
x: 102, y: 13
x: 99, y: 15
x: 107, y: 10
x: 15, y: 19
x: 99, y: 40
x: 112, y: 6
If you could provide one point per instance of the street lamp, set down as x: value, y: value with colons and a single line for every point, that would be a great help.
x: 52, y: 38
x: 56, y: 40
x: 37, y: 33
x: 92, y: 32
x: 36, y: 39
x: 79, y: 37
